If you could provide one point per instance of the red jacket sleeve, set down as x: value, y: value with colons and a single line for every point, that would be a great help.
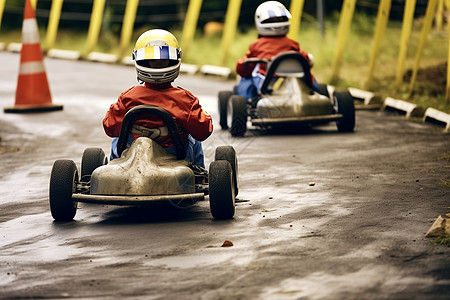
x: 199, y: 123
x: 242, y: 69
x: 114, y: 117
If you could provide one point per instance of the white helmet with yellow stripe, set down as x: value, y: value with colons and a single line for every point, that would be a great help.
x: 157, y: 56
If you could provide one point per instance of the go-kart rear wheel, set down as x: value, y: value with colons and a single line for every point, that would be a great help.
x: 221, y: 191
x: 229, y: 154
x: 224, y: 97
x: 343, y: 104
x: 238, y: 112
x: 63, y: 181
x: 92, y: 159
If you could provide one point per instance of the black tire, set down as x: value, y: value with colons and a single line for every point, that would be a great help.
x: 224, y: 97
x: 92, y: 159
x: 229, y: 154
x: 221, y: 191
x: 63, y: 181
x: 238, y: 112
x: 323, y: 89
x: 344, y: 104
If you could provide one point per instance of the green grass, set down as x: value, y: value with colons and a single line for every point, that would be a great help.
x: 441, y: 241
x: 354, y: 68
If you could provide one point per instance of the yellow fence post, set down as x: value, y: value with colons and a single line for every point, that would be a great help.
x: 94, y: 26
x: 348, y: 8
x: 429, y: 16
x: 127, y: 26
x: 229, y: 29
x: 53, y: 22
x: 2, y: 8
x: 439, y: 16
x: 34, y: 4
x: 408, y: 16
x: 296, y: 10
x: 447, y: 6
x: 447, y: 94
x: 384, y: 9
x: 190, y: 24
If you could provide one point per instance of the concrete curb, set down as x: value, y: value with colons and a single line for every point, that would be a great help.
x: 14, y: 47
x: 103, y: 57
x: 189, y: 69
x: 128, y: 61
x: 215, y: 70
x: 64, y: 54
x: 368, y: 100
x: 409, y: 109
x: 436, y: 116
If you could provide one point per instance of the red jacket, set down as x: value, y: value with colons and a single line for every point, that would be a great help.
x: 180, y: 103
x: 267, y: 47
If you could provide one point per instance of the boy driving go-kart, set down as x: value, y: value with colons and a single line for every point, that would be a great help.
x: 276, y: 87
x: 156, y: 155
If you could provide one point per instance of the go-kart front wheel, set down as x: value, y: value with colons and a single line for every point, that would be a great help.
x: 343, y: 104
x: 63, y: 181
x: 224, y: 97
x: 228, y: 153
x: 92, y: 159
x: 221, y: 190
x: 238, y: 110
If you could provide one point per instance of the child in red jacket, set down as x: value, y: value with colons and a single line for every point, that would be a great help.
x: 157, y: 59
x: 272, y: 23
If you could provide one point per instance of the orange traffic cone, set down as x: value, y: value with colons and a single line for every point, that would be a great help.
x: 33, y: 93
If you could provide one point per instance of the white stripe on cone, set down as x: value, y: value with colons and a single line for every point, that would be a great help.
x: 31, y: 68
x: 30, y: 31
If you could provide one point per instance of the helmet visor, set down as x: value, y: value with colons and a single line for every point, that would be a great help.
x: 275, y: 20
x: 157, y: 63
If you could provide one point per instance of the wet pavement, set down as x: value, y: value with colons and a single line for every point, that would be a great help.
x: 320, y: 214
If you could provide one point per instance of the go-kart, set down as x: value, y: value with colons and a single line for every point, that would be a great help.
x: 144, y: 173
x: 286, y: 98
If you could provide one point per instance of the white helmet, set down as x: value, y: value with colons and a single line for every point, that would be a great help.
x: 157, y: 56
x: 272, y: 18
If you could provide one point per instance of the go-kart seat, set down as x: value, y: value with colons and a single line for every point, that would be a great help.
x: 136, y: 112
x: 285, y: 64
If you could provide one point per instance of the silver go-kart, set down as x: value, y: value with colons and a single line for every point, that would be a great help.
x: 145, y: 172
x: 286, y: 98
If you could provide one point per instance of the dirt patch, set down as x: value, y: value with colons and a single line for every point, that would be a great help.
x: 5, y: 149
x: 7, y: 129
x: 430, y: 81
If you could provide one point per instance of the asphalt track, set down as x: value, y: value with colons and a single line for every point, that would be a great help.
x: 321, y: 215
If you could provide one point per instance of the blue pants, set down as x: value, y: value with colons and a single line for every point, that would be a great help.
x: 251, y: 87
x: 194, y: 150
